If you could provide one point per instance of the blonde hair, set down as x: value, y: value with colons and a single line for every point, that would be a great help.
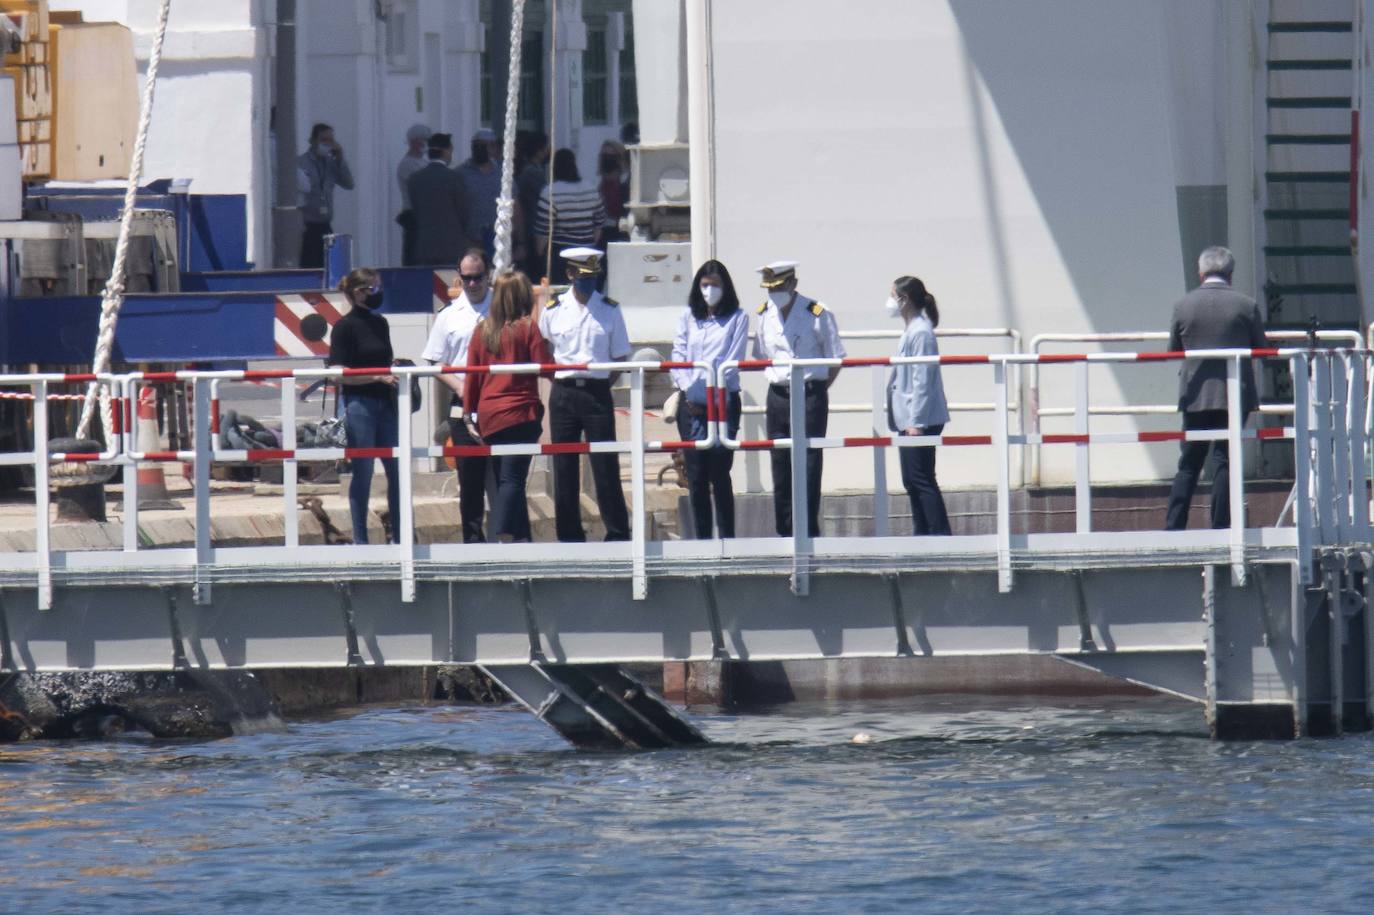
x: 512, y: 301
x: 361, y: 278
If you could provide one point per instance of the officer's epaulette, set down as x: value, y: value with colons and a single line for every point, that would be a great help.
x: 554, y: 304
x: 610, y: 301
x: 816, y: 308
x: 763, y: 308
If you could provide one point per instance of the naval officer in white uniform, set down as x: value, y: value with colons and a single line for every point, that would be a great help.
x: 584, y: 326
x: 448, y: 345
x: 794, y: 326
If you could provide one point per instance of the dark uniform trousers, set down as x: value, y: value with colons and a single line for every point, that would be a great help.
x: 1192, y: 455
x: 472, y: 484
x: 578, y: 407
x: 779, y: 425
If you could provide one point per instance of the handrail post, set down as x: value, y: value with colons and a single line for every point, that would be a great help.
x: 1321, y: 440
x: 801, y: 508
x: 128, y: 430
x: 1354, y: 421
x: 42, y: 542
x: 1002, y: 446
x: 882, y: 523
x: 204, y: 446
x: 1083, y: 490
x: 405, y: 525
x: 1302, y: 465
x: 1340, y: 447
x: 1235, y: 421
x: 291, y: 526
x: 638, y: 516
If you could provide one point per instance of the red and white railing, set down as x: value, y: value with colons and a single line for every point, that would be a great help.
x: 1331, y: 433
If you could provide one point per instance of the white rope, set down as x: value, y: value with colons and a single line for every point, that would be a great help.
x: 114, y: 288
x: 553, y: 131
x: 505, y: 205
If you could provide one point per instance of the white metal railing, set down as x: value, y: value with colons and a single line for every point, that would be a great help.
x: 1332, y: 456
x: 1035, y: 411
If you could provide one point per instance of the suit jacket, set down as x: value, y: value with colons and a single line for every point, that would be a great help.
x: 440, y: 208
x: 1215, y: 316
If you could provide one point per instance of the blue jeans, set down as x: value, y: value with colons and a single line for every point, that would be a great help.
x: 511, y: 511
x: 371, y: 422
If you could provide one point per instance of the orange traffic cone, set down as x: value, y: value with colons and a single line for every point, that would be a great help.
x: 152, y: 482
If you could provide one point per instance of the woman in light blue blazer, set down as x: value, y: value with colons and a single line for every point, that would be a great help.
x: 916, y: 402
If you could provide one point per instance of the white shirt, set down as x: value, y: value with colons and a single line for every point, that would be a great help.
x: 578, y: 333
x: 711, y: 339
x: 802, y: 336
x: 452, y: 330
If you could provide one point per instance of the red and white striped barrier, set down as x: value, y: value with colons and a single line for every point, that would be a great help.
x: 302, y: 323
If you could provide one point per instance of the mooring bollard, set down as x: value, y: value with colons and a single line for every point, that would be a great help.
x: 79, y: 486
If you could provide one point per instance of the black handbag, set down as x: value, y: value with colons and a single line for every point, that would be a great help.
x: 414, y: 385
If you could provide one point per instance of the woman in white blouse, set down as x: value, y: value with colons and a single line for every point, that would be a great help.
x: 712, y: 329
x: 916, y: 402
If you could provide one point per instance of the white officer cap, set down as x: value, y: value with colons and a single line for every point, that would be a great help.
x: 418, y: 132
x: 777, y: 273
x: 485, y: 133
x: 585, y: 261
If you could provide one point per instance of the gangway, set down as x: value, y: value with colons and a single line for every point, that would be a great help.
x: 1264, y: 627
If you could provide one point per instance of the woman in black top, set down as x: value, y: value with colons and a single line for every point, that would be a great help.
x: 362, y: 339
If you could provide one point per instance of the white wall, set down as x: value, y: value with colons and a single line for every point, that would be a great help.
x: 210, y: 116
x: 1020, y: 158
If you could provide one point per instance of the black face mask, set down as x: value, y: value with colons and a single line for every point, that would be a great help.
x: 481, y: 153
x: 373, y: 300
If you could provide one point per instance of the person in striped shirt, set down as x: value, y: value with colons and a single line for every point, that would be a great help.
x: 573, y: 206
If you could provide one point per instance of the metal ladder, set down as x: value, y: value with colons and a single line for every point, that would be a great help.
x: 1309, y: 86
x: 596, y: 706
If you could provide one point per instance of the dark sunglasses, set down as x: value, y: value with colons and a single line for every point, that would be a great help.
x: 473, y: 278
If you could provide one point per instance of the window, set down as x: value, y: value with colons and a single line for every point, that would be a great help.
x: 531, y: 83
x: 595, y: 79
x: 401, y: 35
x: 629, y: 92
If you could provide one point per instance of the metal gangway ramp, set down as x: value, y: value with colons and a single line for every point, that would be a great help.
x: 1264, y: 627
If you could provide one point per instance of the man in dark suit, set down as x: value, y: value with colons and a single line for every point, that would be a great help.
x: 1213, y: 316
x: 440, y: 207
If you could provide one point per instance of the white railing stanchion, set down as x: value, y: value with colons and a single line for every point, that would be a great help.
x: 204, y: 448
x: 801, y: 506
x: 1083, y: 487
x: 128, y: 428
x: 291, y: 516
x: 1321, y: 440
x: 42, y: 532
x: 1235, y: 421
x: 1002, y: 446
x: 638, y: 516
x: 1340, y: 449
x: 404, y: 527
x: 882, y: 518
x: 1354, y: 424
x: 1302, y: 465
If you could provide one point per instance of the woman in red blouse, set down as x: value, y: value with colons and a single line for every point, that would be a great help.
x: 504, y: 409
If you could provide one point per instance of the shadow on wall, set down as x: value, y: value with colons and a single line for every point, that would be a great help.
x: 1081, y: 90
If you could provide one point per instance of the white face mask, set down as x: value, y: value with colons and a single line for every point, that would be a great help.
x: 712, y: 295
x: 779, y: 297
x: 893, y: 306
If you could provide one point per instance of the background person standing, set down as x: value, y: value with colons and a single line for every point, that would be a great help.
x: 448, y: 343
x: 417, y: 139
x: 481, y: 176
x: 572, y: 206
x: 712, y: 329
x: 916, y: 403
x: 792, y: 326
x: 584, y: 326
x: 1213, y: 316
x: 440, y: 206
x: 319, y: 170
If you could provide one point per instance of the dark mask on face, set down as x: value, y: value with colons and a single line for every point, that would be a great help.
x: 373, y: 300
x: 585, y: 285
x: 481, y: 154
